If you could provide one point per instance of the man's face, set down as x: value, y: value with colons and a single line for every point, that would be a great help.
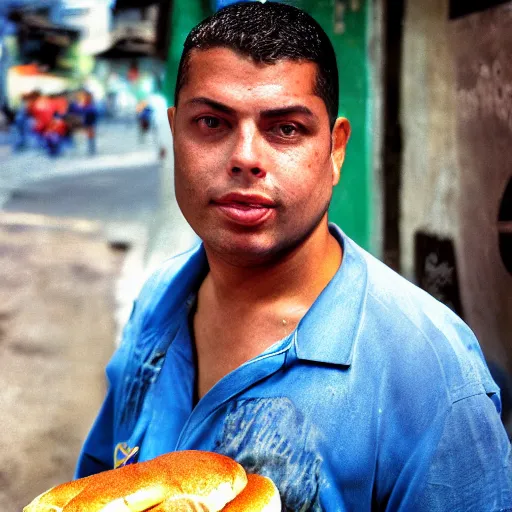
x: 252, y: 148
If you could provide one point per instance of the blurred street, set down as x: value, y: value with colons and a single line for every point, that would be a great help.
x: 57, y: 282
x: 87, y: 211
x: 118, y: 186
x: 118, y: 147
x: 73, y: 234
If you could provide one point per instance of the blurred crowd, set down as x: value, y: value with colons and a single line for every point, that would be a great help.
x: 51, y: 121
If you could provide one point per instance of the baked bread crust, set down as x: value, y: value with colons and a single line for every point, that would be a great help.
x: 259, y: 495
x: 177, y: 481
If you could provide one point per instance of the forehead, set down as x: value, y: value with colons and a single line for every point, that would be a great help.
x: 225, y: 75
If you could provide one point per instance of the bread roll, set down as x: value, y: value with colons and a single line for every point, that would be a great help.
x: 57, y: 497
x: 178, y: 481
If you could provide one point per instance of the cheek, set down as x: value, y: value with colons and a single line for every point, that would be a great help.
x: 311, y: 178
x: 186, y: 185
x: 185, y: 154
x: 198, y: 161
x: 189, y: 167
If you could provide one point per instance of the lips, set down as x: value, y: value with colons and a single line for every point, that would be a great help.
x: 245, y: 209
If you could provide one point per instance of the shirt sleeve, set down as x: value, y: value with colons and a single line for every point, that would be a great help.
x: 97, y: 453
x: 471, y: 465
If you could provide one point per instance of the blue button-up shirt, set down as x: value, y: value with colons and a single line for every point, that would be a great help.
x: 379, y: 400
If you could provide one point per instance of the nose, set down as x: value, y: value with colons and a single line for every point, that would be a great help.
x: 247, y: 158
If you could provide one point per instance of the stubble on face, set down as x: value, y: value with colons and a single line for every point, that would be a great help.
x: 297, y: 174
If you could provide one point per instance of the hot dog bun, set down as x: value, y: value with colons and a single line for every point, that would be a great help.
x: 178, y: 481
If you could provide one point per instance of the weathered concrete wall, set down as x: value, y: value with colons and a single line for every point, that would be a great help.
x: 429, y: 199
x: 482, y: 44
x: 456, y: 118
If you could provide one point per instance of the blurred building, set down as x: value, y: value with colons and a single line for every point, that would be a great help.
x: 143, y: 22
x: 132, y: 67
x: 115, y: 49
x: 92, y: 18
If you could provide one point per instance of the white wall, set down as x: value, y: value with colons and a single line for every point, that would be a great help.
x: 92, y: 17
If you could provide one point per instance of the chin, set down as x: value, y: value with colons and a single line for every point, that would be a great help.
x: 244, y: 254
x: 251, y: 251
x: 258, y: 246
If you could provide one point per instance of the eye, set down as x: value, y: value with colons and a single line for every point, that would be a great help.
x: 209, y: 122
x: 287, y: 129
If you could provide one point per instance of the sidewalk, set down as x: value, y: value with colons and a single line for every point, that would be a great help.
x: 57, y: 331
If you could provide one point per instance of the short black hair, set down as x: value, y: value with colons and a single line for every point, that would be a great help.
x: 268, y: 32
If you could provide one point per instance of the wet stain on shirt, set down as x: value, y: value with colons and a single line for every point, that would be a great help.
x: 270, y: 436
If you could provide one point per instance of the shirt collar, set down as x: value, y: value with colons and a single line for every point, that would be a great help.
x: 328, y: 331
x: 325, y: 334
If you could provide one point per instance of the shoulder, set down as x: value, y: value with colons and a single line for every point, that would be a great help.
x: 419, y: 336
x: 171, y: 281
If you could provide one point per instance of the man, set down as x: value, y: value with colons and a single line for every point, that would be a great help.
x: 278, y: 341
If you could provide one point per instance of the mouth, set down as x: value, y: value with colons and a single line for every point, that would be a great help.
x: 245, y: 209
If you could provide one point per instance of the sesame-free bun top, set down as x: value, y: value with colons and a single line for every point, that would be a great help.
x: 177, y: 481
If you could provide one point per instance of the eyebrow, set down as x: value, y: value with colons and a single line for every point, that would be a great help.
x: 269, y: 113
x: 201, y: 100
x: 284, y: 111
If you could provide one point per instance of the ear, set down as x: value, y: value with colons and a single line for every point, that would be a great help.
x: 340, y: 135
x: 171, y: 115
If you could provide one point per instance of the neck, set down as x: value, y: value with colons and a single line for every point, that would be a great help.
x: 293, y: 281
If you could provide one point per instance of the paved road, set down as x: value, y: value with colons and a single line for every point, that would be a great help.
x: 120, y: 195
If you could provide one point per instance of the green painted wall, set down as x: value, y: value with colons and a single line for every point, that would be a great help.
x: 185, y: 15
x: 351, y: 206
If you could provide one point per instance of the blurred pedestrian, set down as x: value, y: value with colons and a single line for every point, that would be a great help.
x: 41, y: 108
x: 90, y: 119
x: 144, y: 118
x: 22, y: 125
x: 73, y: 116
x: 55, y: 135
x: 113, y: 87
